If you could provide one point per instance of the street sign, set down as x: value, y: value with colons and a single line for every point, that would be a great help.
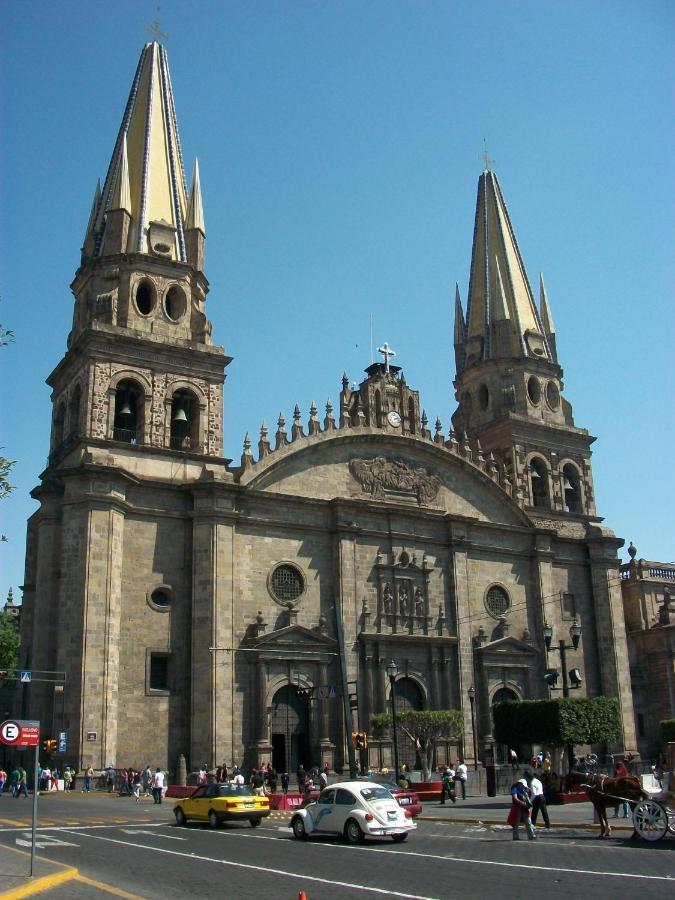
x: 26, y: 677
x: 63, y: 741
x: 20, y: 733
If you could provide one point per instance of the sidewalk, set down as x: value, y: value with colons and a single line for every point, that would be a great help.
x: 494, y: 810
x: 15, y: 882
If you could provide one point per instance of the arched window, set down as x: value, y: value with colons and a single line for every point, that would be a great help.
x: 503, y: 695
x: 408, y: 696
x: 412, y: 425
x: 74, y: 411
x: 127, y: 425
x: 539, y: 483
x: 378, y: 409
x: 184, y: 421
x: 571, y: 489
x: 59, y: 424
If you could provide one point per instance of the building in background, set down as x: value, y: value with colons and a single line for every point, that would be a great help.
x: 193, y: 602
x: 648, y: 590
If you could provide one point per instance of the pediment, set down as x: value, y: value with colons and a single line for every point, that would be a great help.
x: 295, y: 637
x: 507, y: 646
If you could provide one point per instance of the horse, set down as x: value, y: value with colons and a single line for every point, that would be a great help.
x: 604, y: 791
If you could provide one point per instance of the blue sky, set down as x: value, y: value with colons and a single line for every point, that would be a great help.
x: 338, y: 145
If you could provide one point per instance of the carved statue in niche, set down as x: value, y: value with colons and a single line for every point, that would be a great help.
x: 386, y: 599
x: 404, y: 599
x: 419, y: 603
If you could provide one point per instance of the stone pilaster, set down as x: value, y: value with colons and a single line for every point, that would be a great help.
x: 460, y: 600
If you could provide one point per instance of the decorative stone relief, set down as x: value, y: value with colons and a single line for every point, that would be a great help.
x: 379, y: 476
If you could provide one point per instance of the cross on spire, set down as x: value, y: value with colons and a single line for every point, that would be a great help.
x: 155, y: 30
x: 386, y: 351
x: 485, y: 156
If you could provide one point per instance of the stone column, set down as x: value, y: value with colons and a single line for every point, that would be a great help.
x: 262, y: 729
x: 542, y: 579
x: 460, y: 603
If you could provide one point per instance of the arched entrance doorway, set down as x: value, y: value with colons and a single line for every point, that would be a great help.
x: 408, y: 696
x: 503, y: 695
x: 290, y: 730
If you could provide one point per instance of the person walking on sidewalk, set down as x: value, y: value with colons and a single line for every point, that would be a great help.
x: 158, y: 785
x: 448, y: 785
x: 538, y: 799
x: 461, y: 774
x: 519, y: 814
x: 3, y: 779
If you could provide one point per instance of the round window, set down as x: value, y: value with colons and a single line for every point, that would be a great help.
x: 145, y: 297
x: 174, y: 303
x: 497, y: 601
x: 483, y: 396
x: 160, y: 597
x: 552, y: 395
x: 286, y: 583
x: 534, y: 390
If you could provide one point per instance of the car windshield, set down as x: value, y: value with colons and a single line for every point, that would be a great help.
x: 375, y: 793
x: 233, y: 790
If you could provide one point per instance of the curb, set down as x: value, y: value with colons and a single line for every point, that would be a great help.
x: 569, y: 825
x: 40, y: 884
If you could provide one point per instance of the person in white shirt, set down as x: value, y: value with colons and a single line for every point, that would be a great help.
x: 158, y: 786
x: 461, y: 774
x: 538, y: 799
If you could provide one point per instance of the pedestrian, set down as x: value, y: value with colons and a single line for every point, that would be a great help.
x: 301, y: 776
x: 519, y: 814
x: 22, y: 787
x: 513, y: 756
x: 538, y: 799
x: 284, y: 783
x: 67, y: 779
x: 272, y: 779
x: 201, y: 778
x: 3, y: 779
x: 547, y: 764
x: 137, y: 786
x: 461, y: 774
x: 88, y: 775
x: 448, y: 785
x: 14, y: 781
x: 158, y: 785
x: 323, y: 780
x: 147, y: 781
x: 110, y: 779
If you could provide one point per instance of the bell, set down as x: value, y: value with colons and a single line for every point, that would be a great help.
x: 180, y: 416
x: 126, y: 411
x: 534, y: 473
x: 567, y: 485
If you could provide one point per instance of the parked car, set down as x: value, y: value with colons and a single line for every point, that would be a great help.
x: 354, y: 809
x: 405, y: 797
x: 216, y: 803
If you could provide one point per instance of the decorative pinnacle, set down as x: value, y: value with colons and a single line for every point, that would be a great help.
x: 485, y: 157
x: 345, y: 381
x: 263, y: 429
x: 313, y: 410
x: 329, y: 406
x: 296, y: 413
x: 281, y: 421
x: 247, y: 443
x: 425, y: 420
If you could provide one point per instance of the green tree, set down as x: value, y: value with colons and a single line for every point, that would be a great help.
x: 9, y: 642
x: 424, y: 728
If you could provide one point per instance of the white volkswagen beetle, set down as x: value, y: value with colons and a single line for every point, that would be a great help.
x: 354, y: 809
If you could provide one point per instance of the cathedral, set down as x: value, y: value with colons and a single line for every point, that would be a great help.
x: 246, y: 612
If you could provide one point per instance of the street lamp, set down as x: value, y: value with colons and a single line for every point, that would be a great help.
x: 472, y: 700
x: 392, y: 672
x: 562, y: 648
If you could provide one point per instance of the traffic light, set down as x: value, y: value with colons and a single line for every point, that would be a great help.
x: 361, y: 740
x: 551, y: 677
x: 355, y: 736
x: 49, y: 745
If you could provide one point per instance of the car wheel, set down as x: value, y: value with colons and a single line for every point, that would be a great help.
x: 399, y: 838
x: 180, y: 816
x: 353, y: 833
x: 255, y: 822
x: 214, y: 820
x: 299, y: 830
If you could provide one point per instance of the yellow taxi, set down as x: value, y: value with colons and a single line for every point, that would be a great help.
x: 216, y: 803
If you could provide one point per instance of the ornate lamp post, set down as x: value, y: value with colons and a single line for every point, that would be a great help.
x: 472, y: 700
x: 392, y: 672
x: 562, y: 648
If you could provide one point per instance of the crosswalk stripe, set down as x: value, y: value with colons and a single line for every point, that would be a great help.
x: 14, y: 822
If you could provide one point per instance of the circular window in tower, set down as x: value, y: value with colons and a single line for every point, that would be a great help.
x: 286, y: 583
x: 552, y: 395
x: 483, y: 396
x: 160, y: 597
x: 497, y: 601
x: 534, y: 390
x: 175, y: 303
x: 145, y: 297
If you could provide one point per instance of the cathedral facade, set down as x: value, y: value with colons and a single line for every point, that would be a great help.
x: 225, y: 611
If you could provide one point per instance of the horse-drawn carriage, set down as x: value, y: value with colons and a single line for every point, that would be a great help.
x: 653, y: 818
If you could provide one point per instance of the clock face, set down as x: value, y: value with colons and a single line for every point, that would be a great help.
x: 394, y: 419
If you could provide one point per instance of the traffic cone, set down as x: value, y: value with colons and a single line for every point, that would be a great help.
x: 302, y: 896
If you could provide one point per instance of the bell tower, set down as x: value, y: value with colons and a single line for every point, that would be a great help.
x: 140, y: 368
x: 509, y: 383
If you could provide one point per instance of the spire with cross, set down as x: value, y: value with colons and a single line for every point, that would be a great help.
x: 485, y: 156
x: 155, y: 30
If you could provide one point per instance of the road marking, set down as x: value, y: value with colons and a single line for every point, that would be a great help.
x: 46, y: 841
x: 169, y: 837
x: 21, y: 824
x: 478, y: 862
x: 118, y: 892
x: 41, y: 884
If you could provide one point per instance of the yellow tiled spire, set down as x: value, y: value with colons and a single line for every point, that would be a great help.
x: 502, y: 319
x: 148, y: 146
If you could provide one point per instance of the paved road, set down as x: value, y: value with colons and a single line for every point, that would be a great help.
x: 142, y: 853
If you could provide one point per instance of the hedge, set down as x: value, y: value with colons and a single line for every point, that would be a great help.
x: 557, y: 722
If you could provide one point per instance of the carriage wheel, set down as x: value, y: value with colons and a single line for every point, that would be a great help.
x: 650, y: 820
